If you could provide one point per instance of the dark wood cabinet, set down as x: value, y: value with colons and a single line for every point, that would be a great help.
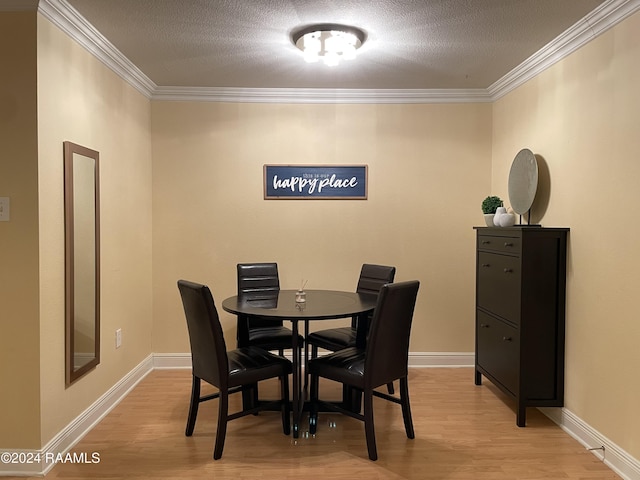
x: 520, y: 313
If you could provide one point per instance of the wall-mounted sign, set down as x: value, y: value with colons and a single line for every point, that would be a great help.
x: 318, y: 182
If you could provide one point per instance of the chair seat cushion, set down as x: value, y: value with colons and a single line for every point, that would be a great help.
x: 345, y: 366
x: 252, y: 364
x: 333, y: 338
x: 273, y: 338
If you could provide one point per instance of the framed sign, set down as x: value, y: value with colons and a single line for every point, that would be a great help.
x: 319, y: 182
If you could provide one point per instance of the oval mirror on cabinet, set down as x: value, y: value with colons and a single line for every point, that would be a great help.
x: 523, y: 181
x: 82, y: 261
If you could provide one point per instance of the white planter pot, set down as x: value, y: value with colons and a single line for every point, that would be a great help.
x: 488, y: 219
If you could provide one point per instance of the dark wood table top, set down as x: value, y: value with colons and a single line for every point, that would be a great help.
x: 319, y: 305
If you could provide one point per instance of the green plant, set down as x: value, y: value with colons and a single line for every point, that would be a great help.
x: 490, y: 204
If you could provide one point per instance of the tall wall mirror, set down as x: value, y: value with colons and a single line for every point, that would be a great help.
x: 82, y: 260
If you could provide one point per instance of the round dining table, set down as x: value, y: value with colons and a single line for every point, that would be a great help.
x: 318, y: 305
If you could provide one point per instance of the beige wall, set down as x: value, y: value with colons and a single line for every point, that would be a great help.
x: 19, y: 340
x: 581, y: 118
x: 429, y: 168
x: 81, y: 100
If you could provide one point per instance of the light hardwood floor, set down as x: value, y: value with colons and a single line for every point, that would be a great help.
x: 463, y: 432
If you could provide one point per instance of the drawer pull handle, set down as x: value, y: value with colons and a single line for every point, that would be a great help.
x: 486, y: 265
x: 506, y: 339
x: 508, y: 244
x: 508, y: 270
x: 485, y: 242
x: 484, y: 325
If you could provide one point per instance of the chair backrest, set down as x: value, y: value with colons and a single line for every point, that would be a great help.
x: 208, y: 349
x: 387, y: 354
x: 259, y: 281
x: 255, y: 278
x: 371, y: 280
x: 373, y: 277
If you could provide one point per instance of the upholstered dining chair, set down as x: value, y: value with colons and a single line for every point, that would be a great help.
x: 384, y: 359
x: 230, y: 371
x: 261, y: 281
x: 372, y: 278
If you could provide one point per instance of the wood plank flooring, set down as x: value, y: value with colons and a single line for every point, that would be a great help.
x: 463, y: 432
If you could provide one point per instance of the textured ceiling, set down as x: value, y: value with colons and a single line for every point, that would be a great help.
x: 429, y: 44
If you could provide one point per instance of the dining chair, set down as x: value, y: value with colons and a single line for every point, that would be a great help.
x: 229, y: 371
x: 384, y: 359
x: 372, y: 278
x: 260, y: 281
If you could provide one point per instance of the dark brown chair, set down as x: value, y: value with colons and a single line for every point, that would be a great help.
x: 383, y: 360
x: 261, y: 281
x: 231, y: 372
x: 371, y: 280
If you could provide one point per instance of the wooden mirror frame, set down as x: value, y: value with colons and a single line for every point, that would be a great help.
x: 82, y: 260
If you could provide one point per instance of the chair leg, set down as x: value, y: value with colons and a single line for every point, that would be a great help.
x: 351, y: 399
x: 254, y: 400
x: 313, y: 404
x: 314, y: 354
x: 406, y: 409
x: 368, y: 425
x: 286, y: 410
x: 306, y: 365
x: 223, y: 413
x: 390, y: 388
x: 250, y: 397
x: 193, y: 406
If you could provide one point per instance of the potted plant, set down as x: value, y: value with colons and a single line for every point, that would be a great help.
x: 489, y: 207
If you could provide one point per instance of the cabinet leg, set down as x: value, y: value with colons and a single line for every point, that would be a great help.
x: 478, y: 378
x: 521, y: 415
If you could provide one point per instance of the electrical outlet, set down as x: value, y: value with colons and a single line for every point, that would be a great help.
x: 118, y: 338
x: 4, y: 209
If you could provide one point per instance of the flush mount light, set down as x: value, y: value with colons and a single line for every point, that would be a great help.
x: 328, y: 42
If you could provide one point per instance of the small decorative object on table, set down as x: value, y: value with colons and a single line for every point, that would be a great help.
x: 507, y: 219
x: 500, y: 211
x: 489, y: 207
x: 301, y: 295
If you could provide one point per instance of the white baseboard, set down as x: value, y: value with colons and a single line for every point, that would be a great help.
x: 441, y: 359
x: 41, y: 461
x: 418, y: 359
x: 163, y: 361
x: 611, y: 454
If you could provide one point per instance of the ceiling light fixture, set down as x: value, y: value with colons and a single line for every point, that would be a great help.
x: 328, y: 42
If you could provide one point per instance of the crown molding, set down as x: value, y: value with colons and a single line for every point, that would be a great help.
x: 319, y: 95
x: 73, y: 24
x: 65, y: 17
x: 582, y: 32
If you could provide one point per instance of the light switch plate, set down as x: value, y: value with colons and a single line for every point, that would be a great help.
x: 4, y: 209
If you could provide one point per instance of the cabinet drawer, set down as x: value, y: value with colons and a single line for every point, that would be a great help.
x: 498, y: 285
x: 498, y: 346
x: 500, y: 244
